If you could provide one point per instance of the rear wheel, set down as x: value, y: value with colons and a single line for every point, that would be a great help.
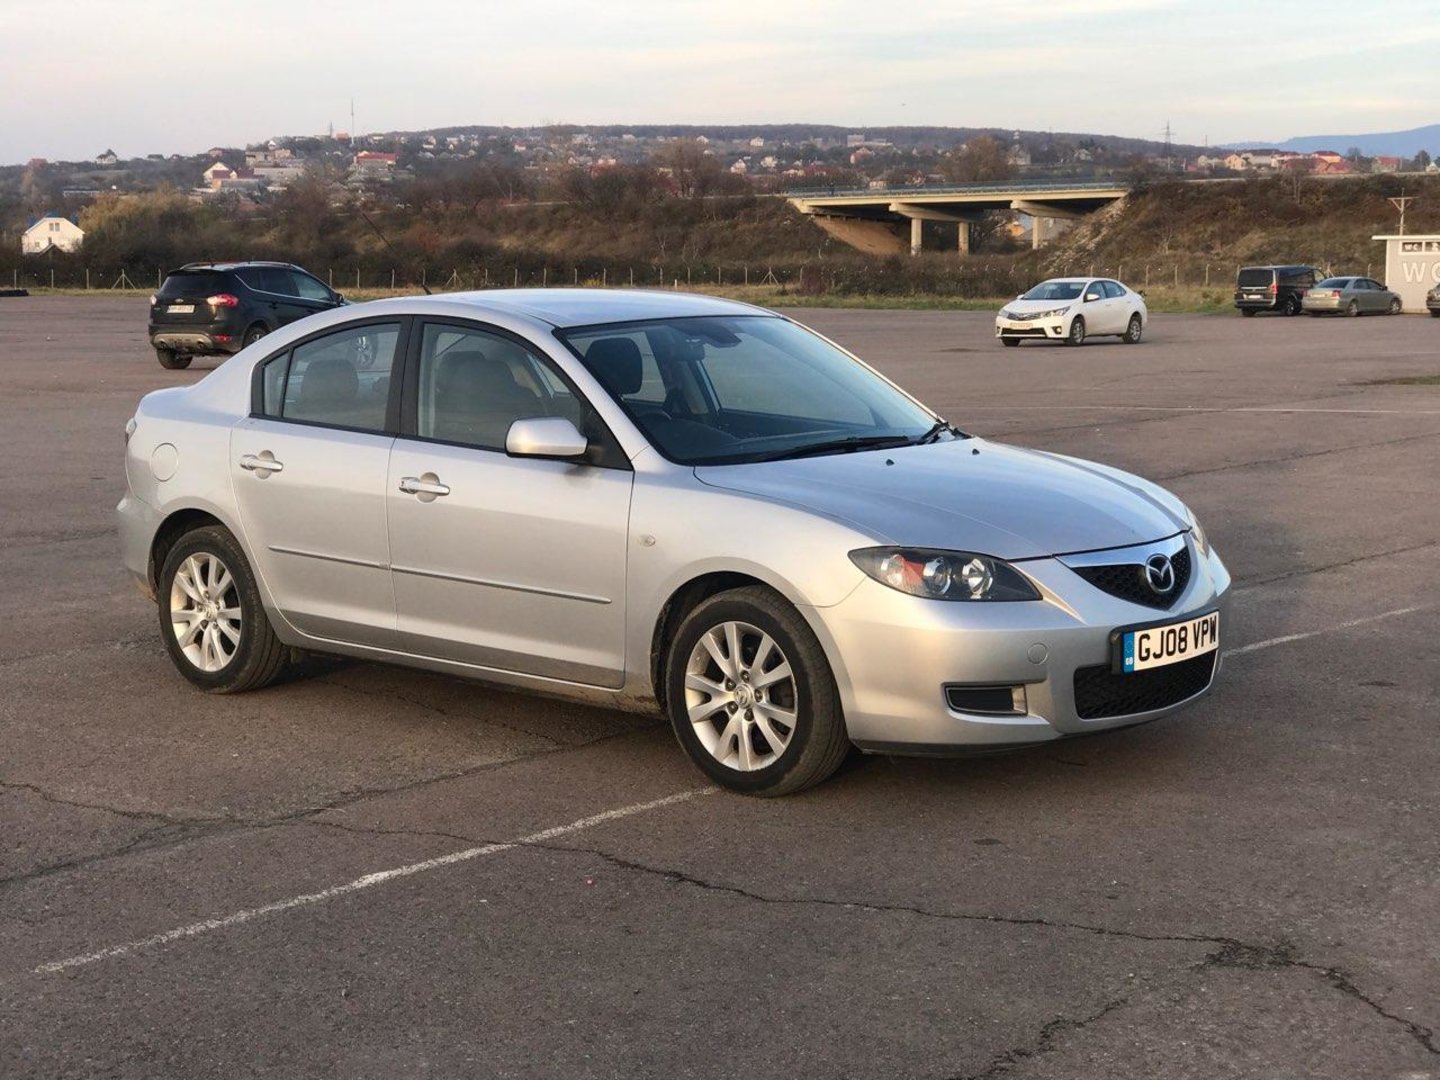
x: 211, y: 617
x: 751, y: 696
x: 1435, y: 313
x: 1292, y: 305
x: 170, y: 360
x: 1352, y: 309
x: 1011, y: 342
x: 1248, y: 312
x: 1076, y: 336
x: 254, y: 334
x: 1133, y: 331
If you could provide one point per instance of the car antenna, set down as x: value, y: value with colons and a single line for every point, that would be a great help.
x: 388, y: 245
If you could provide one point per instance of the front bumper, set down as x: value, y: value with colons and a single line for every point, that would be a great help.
x: 1050, y: 328
x: 899, y: 653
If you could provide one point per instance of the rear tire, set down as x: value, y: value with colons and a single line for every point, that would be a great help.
x: 170, y: 360
x: 254, y: 334
x: 1435, y: 313
x: 751, y: 696
x: 1011, y: 342
x: 211, y: 617
x: 1292, y: 305
x: 1133, y: 331
x: 1076, y: 336
x: 1352, y: 309
x: 1249, y: 313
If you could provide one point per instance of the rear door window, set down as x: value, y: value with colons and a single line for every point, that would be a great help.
x: 1252, y: 278
x: 1113, y: 289
x: 340, y: 379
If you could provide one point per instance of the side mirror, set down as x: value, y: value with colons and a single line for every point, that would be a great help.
x: 340, y: 298
x: 545, y: 437
x: 1091, y: 296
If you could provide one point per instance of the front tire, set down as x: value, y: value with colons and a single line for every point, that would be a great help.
x: 751, y: 696
x: 1012, y: 342
x: 170, y: 360
x: 1395, y: 306
x: 211, y: 617
x: 1076, y: 336
x: 1133, y: 331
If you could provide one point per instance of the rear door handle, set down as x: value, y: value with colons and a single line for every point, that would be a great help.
x: 263, y: 464
x: 427, y: 486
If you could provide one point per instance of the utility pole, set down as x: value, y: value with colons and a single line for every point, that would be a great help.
x: 1169, y: 164
x: 1400, y: 203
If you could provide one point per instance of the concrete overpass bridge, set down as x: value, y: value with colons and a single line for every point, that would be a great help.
x: 865, y: 218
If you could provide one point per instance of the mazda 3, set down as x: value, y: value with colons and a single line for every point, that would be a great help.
x: 659, y: 501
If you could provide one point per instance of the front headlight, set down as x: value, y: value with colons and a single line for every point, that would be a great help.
x: 1005, y: 314
x: 1053, y: 312
x: 1202, y: 542
x: 944, y: 575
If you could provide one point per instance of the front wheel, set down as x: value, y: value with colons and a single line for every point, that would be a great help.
x: 1011, y: 342
x: 211, y: 617
x: 1076, y: 336
x: 1133, y: 331
x: 1395, y: 306
x: 751, y: 696
x: 170, y: 360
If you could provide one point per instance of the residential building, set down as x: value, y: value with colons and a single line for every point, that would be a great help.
x: 51, y: 231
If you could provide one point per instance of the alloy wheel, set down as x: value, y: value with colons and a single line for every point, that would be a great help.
x: 205, y: 613
x: 741, y: 696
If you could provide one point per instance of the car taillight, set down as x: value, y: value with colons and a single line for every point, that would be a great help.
x: 153, y: 299
x: 223, y: 299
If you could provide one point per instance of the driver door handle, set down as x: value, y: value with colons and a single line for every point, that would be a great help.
x: 423, y: 485
x: 261, y: 463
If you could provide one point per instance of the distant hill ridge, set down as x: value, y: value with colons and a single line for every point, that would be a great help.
x: 1391, y: 143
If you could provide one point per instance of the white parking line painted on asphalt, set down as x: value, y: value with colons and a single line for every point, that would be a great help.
x: 369, y: 881
x: 1198, y: 410
x: 1287, y: 638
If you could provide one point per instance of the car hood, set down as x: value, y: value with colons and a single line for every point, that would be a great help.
x: 1028, y: 307
x: 968, y: 495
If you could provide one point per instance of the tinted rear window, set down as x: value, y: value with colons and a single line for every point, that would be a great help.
x: 1255, y: 277
x: 196, y: 283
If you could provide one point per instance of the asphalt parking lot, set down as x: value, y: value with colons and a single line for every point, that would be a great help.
x: 370, y: 872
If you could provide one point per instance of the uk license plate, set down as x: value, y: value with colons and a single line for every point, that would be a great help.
x: 181, y: 309
x: 1146, y: 647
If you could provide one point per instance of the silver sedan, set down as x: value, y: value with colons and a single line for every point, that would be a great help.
x: 1350, y: 296
x: 656, y: 500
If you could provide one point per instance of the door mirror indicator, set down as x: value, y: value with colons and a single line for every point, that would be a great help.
x: 545, y: 437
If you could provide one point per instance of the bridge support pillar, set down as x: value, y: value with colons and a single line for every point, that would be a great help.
x: 963, y: 228
x: 915, y: 235
x: 1037, y: 231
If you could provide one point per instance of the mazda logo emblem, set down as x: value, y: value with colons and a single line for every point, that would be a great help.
x: 1160, y: 573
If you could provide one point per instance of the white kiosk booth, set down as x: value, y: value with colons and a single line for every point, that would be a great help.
x: 1412, y: 267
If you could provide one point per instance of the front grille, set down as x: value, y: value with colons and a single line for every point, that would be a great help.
x: 1127, y: 580
x: 1101, y: 693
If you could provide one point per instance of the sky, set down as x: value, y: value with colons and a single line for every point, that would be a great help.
x: 80, y: 76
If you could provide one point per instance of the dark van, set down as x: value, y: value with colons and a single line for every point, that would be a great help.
x: 1273, y: 288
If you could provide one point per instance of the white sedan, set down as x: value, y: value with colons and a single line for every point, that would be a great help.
x: 1072, y: 309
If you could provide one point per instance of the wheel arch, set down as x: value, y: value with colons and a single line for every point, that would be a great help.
x: 680, y: 603
x: 176, y: 525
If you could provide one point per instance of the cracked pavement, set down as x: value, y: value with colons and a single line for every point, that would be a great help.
x: 1247, y: 889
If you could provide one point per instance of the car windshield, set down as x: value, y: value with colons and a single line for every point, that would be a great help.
x: 1335, y: 283
x: 1055, y: 290
x: 731, y: 389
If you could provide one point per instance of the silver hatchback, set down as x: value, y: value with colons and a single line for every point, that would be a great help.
x: 656, y: 500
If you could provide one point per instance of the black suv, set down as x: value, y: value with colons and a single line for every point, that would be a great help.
x: 1273, y: 288
x: 214, y: 309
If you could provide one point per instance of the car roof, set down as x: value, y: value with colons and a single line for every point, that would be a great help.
x: 566, y: 308
x: 1280, y: 266
x: 230, y: 265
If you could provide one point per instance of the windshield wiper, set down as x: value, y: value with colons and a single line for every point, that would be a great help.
x: 849, y: 444
x: 940, y: 427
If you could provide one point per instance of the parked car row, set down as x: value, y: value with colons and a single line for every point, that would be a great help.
x: 1293, y: 289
